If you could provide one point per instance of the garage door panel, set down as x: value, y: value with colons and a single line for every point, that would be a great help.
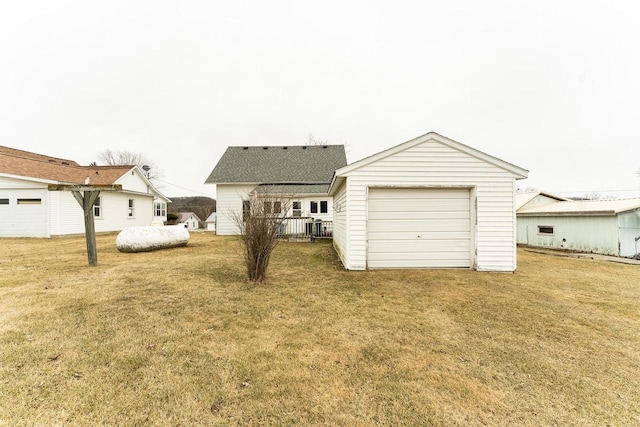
x: 413, y: 204
x: 419, y: 215
x: 419, y: 228
x: 424, y: 245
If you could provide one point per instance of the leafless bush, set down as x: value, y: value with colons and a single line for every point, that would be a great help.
x: 259, y: 222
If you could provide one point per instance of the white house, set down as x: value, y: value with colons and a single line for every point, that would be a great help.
x: 190, y: 219
x: 301, y: 174
x: 610, y: 227
x: 429, y: 202
x: 211, y: 222
x: 29, y: 209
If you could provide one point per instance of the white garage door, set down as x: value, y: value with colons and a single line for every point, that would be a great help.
x: 418, y: 228
x: 23, y: 213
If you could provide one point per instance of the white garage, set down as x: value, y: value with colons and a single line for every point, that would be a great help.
x: 419, y: 227
x: 430, y: 202
x: 23, y: 212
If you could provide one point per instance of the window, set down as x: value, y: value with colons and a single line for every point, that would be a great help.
x: 267, y: 207
x: 97, y: 207
x: 545, y: 229
x: 131, y: 208
x: 324, y: 207
x: 159, y: 209
x: 297, y: 208
x: 277, y: 207
x: 29, y: 201
x: 4, y: 201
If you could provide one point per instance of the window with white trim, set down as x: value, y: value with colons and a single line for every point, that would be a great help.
x: 545, y: 229
x: 97, y: 207
x: 313, y: 206
x: 131, y: 208
x: 297, y: 209
x: 159, y: 209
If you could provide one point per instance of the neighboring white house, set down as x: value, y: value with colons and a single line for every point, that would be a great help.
x: 429, y: 202
x: 190, y: 219
x: 211, y: 222
x: 610, y: 227
x: 29, y: 209
x: 301, y: 174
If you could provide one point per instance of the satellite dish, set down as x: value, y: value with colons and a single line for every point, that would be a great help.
x: 146, y: 168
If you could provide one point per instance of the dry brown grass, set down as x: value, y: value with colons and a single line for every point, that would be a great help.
x: 178, y: 337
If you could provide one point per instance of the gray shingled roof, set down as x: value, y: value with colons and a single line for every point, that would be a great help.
x: 294, y: 164
x: 293, y: 189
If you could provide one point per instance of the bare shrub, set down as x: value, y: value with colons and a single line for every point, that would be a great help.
x: 260, y: 221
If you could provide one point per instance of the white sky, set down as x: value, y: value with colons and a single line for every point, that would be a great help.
x: 551, y: 86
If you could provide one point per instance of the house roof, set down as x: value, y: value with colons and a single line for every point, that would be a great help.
x: 583, y: 208
x: 524, y: 198
x: 27, y: 154
x: 29, y: 165
x: 19, y: 163
x: 183, y: 216
x: 518, y: 172
x: 293, y: 164
x: 297, y: 189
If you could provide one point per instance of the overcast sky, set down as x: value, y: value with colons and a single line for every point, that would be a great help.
x: 551, y: 86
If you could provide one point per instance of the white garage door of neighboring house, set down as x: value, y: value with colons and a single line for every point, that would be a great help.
x: 419, y: 228
x: 23, y: 213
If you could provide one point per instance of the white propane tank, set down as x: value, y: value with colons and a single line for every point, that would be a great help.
x: 150, y: 238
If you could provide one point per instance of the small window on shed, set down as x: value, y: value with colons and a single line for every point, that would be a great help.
x: 4, y: 201
x: 29, y: 201
x: 545, y: 229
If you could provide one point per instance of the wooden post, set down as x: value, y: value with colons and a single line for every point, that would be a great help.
x: 87, y: 202
x: 86, y: 195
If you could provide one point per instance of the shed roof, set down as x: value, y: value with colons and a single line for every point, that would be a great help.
x: 583, y: 208
x: 306, y: 164
x: 524, y: 198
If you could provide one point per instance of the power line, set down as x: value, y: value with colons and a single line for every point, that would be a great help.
x: 184, y: 188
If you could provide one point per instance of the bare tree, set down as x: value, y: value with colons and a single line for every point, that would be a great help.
x: 312, y: 140
x: 260, y: 223
x: 123, y: 157
x: 594, y: 195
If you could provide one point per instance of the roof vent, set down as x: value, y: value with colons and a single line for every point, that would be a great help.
x: 65, y: 163
x: 284, y: 148
x: 324, y: 146
x: 51, y: 161
x: 245, y: 148
x: 304, y: 147
x: 265, y: 148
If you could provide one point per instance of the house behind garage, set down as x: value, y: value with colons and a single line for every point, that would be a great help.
x: 430, y: 202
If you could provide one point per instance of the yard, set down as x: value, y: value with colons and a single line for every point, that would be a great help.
x: 178, y: 337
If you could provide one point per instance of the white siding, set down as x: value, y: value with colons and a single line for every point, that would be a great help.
x: 597, y: 234
x: 67, y: 216
x: 229, y: 203
x: 340, y: 218
x: 434, y: 164
x: 132, y: 181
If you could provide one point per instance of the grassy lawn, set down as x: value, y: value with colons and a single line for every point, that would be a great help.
x: 178, y: 337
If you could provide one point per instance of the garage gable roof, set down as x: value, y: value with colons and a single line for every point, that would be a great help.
x: 518, y: 172
x: 524, y: 198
